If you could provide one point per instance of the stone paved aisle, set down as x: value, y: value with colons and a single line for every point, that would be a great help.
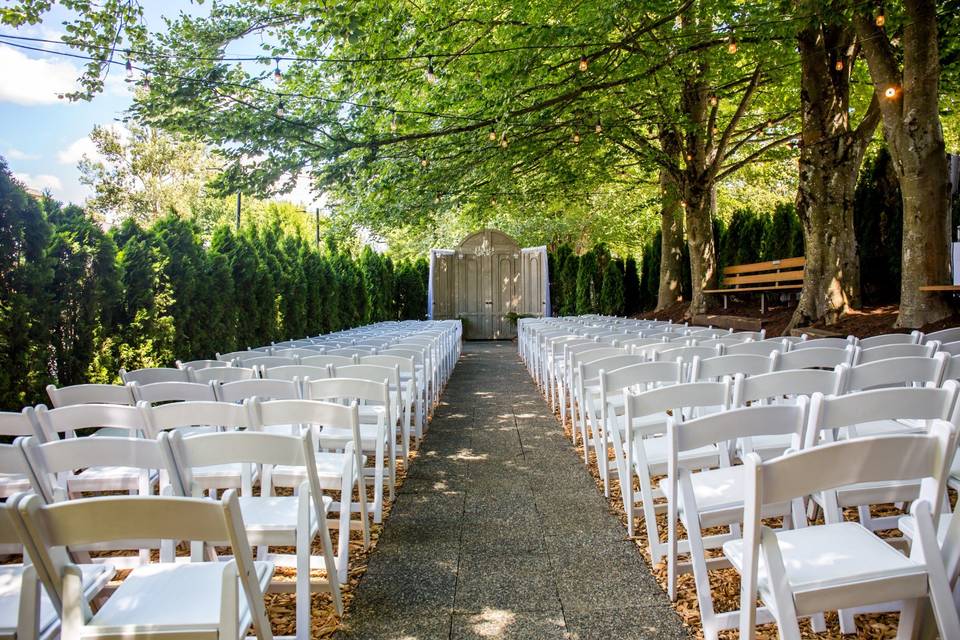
x: 499, y: 531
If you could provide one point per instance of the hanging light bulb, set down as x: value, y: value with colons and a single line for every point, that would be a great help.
x: 890, y: 92
x: 689, y: 157
x: 683, y: 203
x: 839, y: 64
x: 492, y: 135
x: 129, y: 67
x: 493, y: 201
x: 431, y: 75
x: 584, y: 63
x: 880, y: 19
x: 280, y: 108
x: 393, y: 125
x: 576, y: 137
x: 503, y: 142
x: 713, y: 100
x: 424, y: 163
x: 277, y: 76
x: 732, y: 45
x: 598, y: 129
x: 436, y: 199
x: 146, y: 80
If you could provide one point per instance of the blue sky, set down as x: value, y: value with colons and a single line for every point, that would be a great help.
x: 41, y: 137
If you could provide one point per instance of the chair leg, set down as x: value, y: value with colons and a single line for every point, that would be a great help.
x: 304, y: 623
x: 909, y: 624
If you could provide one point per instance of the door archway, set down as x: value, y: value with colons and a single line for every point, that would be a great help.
x: 483, y: 280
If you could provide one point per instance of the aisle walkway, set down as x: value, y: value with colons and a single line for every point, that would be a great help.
x: 499, y: 531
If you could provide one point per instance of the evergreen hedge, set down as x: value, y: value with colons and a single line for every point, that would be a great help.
x: 77, y: 302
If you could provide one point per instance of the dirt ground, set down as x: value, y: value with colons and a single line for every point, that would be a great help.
x: 869, y: 321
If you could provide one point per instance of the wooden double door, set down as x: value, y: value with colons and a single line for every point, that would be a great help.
x: 485, y: 279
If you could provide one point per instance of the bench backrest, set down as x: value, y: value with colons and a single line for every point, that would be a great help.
x: 787, y: 270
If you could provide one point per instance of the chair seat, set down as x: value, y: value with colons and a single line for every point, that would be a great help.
x: 272, y: 520
x: 368, y: 436
x: 182, y: 597
x: 95, y: 576
x: 658, y: 448
x: 719, y: 495
x: 329, y: 469
x: 831, y: 556
x: 890, y: 427
x: 908, y: 529
x: 13, y: 483
x: 107, y: 479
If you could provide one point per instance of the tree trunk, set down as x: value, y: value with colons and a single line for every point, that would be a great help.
x: 671, y: 228
x: 911, y: 125
x: 703, y: 256
x: 830, y: 157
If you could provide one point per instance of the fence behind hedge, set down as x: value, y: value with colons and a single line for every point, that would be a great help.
x: 77, y: 302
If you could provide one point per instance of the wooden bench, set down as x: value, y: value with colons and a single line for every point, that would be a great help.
x: 761, y: 277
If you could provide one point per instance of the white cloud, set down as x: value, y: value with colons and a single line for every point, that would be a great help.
x: 16, y: 154
x: 40, y: 182
x: 84, y: 147
x: 77, y: 150
x: 33, y: 81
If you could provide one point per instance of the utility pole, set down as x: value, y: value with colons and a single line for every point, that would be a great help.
x: 238, y: 210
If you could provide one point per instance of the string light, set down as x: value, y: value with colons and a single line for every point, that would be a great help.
x: 576, y: 137
x: 891, y: 92
x: 129, y: 66
x: 431, y: 76
x: 599, y: 128
x: 880, y: 19
x: 277, y: 76
x: 393, y: 125
x: 424, y: 163
x: 732, y: 45
x: 839, y: 65
x: 584, y: 63
x: 493, y: 135
x: 503, y: 142
x: 146, y: 81
x: 280, y: 107
x: 689, y: 157
x: 713, y: 100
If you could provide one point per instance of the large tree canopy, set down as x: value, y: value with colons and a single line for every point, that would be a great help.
x: 420, y: 118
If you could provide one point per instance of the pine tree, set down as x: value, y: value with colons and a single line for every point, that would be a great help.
x: 612, y: 295
x: 631, y: 287
x: 586, y: 299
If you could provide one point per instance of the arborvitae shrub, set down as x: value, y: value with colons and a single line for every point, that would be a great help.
x: 612, y: 296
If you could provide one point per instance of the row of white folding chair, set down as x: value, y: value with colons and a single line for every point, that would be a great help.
x: 758, y: 387
x: 270, y: 520
x: 337, y: 428
x: 844, y: 562
x: 125, y: 420
x: 151, y: 601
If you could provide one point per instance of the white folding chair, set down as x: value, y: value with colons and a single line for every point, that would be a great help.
x: 716, y: 367
x: 413, y: 399
x: 270, y: 520
x: 758, y: 348
x: 222, y: 374
x: 642, y: 448
x: 26, y: 611
x: 260, y: 360
x: 13, y: 477
x: 155, y: 374
x: 333, y: 470
x: 812, y: 358
x: 90, y: 394
x: 52, y: 465
x: 201, y: 364
x: 943, y: 336
x: 831, y: 416
x: 120, y: 419
x: 715, y: 497
x: 889, y: 339
x: 200, y: 418
x: 167, y: 600
x: 377, y: 439
x: 779, y: 387
x: 160, y: 392
x: 842, y: 565
x: 902, y: 350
